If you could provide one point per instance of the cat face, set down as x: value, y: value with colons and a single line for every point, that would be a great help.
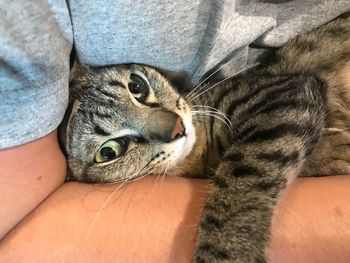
x: 124, y: 121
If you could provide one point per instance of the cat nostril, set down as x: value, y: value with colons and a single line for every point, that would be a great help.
x: 178, y: 130
x: 165, y: 126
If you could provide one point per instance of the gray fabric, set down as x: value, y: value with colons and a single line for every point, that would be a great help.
x: 35, y: 44
x: 176, y: 35
x: 292, y: 17
x: 36, y: 38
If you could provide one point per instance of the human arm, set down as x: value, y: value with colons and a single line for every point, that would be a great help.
x: 35, y: 45
x: 28, y: 174
x: 156, y: 221
x: 312, y: 223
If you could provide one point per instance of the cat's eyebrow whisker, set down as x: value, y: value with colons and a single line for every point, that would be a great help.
x: 218, y: 83
x: 204, y: 80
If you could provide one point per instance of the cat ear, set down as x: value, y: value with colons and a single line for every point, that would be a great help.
x: 76, y: 66
x: 63, y: 127
x: 78, y: 69
x: 180, y: 80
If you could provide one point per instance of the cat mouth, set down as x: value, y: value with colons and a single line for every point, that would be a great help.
x: 188, y: 134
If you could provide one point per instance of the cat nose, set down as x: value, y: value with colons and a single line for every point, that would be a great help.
x: 178, y: 130
x: 165, y: 126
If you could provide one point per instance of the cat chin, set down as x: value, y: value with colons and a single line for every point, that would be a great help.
x: 185, y: 145
x: 179, y: 149
x: 190, y: 137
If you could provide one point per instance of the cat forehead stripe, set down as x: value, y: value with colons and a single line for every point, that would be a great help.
x: 116, y: 83
x: 100, y: 131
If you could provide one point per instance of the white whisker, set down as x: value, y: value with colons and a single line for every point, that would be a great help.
x: 218, y: 114
x: 165, y: 170
x: 212, y: 109
x: 204, y: 80
x: 103, y: 206
x: 141, y: 174
x: 214, y: 114
x: 218, y: 83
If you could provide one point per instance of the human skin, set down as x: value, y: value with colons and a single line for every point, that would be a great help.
x: 28, y: 174
x: 312, y: 222
x: 155, y: 220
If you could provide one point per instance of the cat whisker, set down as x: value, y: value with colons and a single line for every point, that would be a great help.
x: 218, y: 83
x: 204, y: 80
x: 144, y: 174
x: 216, y: 111
x: 141, y: 176
x: 103, y: 206
x: 214, y: 114
x: 165, y: 170
x: 105, y: 203
x: 160, y: 174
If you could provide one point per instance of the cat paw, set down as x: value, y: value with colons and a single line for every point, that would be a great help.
x: 207, y: 254
x: 223, y: 252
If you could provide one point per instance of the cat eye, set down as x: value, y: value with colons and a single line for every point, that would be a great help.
x: 111, y: 149
x: 138, y: 87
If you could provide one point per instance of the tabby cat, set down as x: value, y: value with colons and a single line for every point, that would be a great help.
x: 252, y: 133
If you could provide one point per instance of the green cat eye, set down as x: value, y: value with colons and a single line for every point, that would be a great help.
x: 138, y: 87
x: 111, y: 149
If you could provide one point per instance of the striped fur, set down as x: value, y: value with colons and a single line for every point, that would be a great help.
x: 261, y: 129
x: 290, y: 117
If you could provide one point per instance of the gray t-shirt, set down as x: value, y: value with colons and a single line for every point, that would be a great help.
x: 36, y: 39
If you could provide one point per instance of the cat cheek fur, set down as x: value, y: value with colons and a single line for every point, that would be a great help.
x: 105, y: 105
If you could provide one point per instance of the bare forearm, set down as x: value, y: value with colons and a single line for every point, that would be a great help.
x: 28, y: 174
x: 156, y: 221
x: 146, y: 221
x: 312, y: 223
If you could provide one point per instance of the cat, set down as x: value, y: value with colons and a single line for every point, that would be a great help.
x: 252, y: 133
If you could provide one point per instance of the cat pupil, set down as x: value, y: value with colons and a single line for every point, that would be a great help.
x: 135, y: 88
x: 108, y: 153
x: 138, y: 87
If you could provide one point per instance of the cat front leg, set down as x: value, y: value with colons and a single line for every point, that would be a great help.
x: 276, y: 129
x: 237, y: 216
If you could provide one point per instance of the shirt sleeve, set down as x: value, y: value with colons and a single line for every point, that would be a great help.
x: 35, y: 45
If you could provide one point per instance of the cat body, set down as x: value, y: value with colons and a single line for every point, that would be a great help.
x: 252, y: 134
x: 293, y: 121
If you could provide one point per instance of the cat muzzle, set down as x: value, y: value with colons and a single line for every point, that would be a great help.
x: 165, y: 126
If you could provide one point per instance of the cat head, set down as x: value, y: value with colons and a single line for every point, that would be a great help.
x: 125, y: 121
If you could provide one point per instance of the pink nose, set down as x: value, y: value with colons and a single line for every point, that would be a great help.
x: 178, y: 130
